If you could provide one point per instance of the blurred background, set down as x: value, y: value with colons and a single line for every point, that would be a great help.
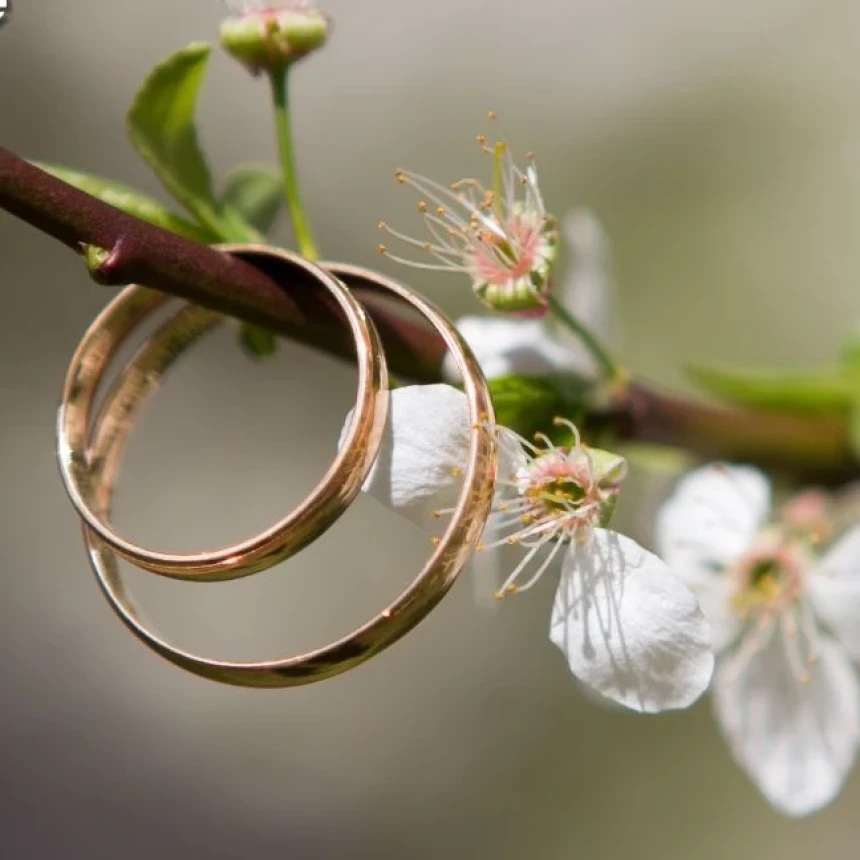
x: 719, y: 142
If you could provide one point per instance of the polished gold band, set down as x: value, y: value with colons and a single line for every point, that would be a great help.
x: 433, y: 581
x: 106, y: 336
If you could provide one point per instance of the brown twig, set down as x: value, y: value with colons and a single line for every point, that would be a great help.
x: 808, y: 447
x: 139, y: 252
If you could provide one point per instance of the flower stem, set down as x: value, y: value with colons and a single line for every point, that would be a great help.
x: 610, y: 369
x: 304, y: 238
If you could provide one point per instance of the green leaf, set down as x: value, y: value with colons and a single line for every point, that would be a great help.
x: 256, y: 341
x: 528, y: 404
x: 659, y: 460
x: 162, y: 129
x: 256, y: 192
x: 851, y: 373
x: 130, y: 201
x: 815, y: 390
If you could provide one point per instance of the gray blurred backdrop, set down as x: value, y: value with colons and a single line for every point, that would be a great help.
x: 717, y: 141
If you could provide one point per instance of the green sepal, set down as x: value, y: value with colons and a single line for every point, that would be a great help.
x: 161, y: 127
x: 824, y: 389
x: 528, y: 404
x: 130, y: 201
x: 609, y: 467
x: 257, y: 193
x: 607, y: 511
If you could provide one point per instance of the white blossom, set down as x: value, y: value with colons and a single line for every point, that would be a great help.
x: 539, y: 347
x: 786, y: 623
x: 628, y: 628
x: 501, y: 237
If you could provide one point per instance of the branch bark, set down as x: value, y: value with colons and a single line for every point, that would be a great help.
x: 142, y: 253
x: 808, y: 447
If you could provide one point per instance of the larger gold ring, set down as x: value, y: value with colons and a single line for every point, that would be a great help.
x: 106, y: 336
x: 435, y: 579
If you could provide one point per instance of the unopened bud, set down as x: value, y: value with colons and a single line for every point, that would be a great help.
x: 271, y: 36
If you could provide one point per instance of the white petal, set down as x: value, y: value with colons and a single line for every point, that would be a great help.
x: 834, y: 590
x: 425, y: 445
x: 509, y: 346
x: 712, y: 517
x: 588, y: 291
x: 714, y: 591
x: 511, y: 455
x: 628, y: 627
x: 795, y: 740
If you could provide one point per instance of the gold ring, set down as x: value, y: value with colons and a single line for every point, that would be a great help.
x: 434, y: 580
x: 105, y: 337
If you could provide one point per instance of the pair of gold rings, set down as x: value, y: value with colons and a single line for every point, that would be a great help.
x: 91, y: 443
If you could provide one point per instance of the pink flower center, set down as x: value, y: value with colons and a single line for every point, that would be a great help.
x: 497, y: 261
x: 557, y: 487
x: 770, y: 577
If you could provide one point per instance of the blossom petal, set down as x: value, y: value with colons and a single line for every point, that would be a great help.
x: 714, y: 592
x: 833, y: 587
x: 512, y: 346
x: 425, y: 446
x: 796, y: 741
x: 712, y: 517
x: 588, y: 291
x: 629, y: 628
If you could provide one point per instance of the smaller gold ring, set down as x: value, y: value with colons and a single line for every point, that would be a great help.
x: 435, y: 579
x: 106, y: 336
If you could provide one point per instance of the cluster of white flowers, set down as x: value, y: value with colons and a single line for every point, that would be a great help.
x: 642, y: 629
x: 785, y: 621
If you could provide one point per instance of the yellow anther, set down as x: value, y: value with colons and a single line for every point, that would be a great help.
x: 400, y: 176
x: 441, y: 210
x: 382, y: 249
x: 512, y: 589
x: 500, y: 595
x: 436, y: 515
x: 381, y: 225
x: 480, y: 547
x: 456, y: 472
x: 511, y: 541
x: 435, y: 541
x: 482, y: 139
x: 422, y: 206
x: 426, y: 245
x: 530, y: 155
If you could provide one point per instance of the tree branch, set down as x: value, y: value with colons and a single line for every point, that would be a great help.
x: 264, y: 292
x: 142, y: 253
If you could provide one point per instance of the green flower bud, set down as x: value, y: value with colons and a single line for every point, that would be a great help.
x: 271, y: 36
